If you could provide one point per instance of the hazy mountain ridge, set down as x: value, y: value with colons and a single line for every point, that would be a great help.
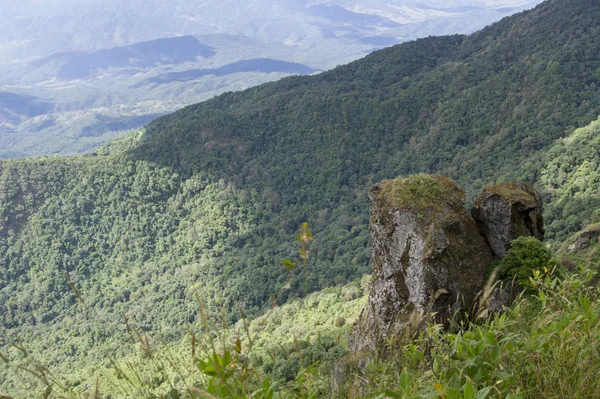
x: 125, y: 24
x: 143, y: 55
x: 211, y: 196
x: 260, y: 65
x: 108, y: 48
x: 22, y: 105
x: 114, y: 98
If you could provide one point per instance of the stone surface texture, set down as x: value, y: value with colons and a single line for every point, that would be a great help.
x: 587, y: 237
x: 506, y: 211
x: 428, y: 256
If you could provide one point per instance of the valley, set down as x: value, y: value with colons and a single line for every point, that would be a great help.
x: 104, y: 75
x: 168, y: 236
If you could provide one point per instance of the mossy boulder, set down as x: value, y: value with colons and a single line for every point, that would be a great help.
x: 583, y: 249
x: 506, y: 211
x: 428, y: 255
x: 584, y: 239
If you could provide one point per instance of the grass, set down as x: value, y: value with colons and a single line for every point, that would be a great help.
x: 423, y: 194
x: 421, y: 191
x: 512, y: 192
x: 544, y: 346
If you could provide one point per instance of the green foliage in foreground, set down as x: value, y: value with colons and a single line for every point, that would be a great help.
x: 545, y: 345
x: 210, y: 197
x: 279, y: 344
x: 526, y: 256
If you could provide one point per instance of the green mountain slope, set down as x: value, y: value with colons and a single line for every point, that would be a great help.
x: 470, y: 107
x: 210, y: 197
x: 570, y: 180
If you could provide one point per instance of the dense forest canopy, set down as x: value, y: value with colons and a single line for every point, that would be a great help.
x: 210, y: 197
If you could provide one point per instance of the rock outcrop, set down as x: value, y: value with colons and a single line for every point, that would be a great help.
x: 428, y: 257
x: 506, y: 211
x: 584, y: 239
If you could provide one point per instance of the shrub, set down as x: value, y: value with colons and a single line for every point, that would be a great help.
x: 526, y: 256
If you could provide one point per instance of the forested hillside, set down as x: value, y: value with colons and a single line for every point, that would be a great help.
x: 104, y: 66
x: 570, y: 180
x: 210, y: 197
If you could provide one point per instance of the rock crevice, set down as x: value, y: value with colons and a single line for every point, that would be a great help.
x: 431, y: 256
x: 507, y: 211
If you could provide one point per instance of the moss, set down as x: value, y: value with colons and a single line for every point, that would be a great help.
x: 594, y: 226
x: 423, y: 194
x: 511, y: 192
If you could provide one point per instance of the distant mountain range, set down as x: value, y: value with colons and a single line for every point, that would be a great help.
x: 81, y: 65
x: 206, y: 202
x: 21, y: 106
x: 260, y: 65
x: 30, y: 29
x: 112, y: 64
x: 209, y: 198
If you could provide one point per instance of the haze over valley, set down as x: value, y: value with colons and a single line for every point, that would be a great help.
x: 420, y: 221
x: 85, y: 71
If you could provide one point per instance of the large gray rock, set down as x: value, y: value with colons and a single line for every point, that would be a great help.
x: 506, y: 211
x: 584, y: 239
x: 428, y: 257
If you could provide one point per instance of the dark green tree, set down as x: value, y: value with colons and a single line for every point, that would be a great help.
x: 525, y: 256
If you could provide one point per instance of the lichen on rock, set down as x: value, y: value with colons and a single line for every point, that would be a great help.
x: 506, y: 211
x: 428, y: 255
